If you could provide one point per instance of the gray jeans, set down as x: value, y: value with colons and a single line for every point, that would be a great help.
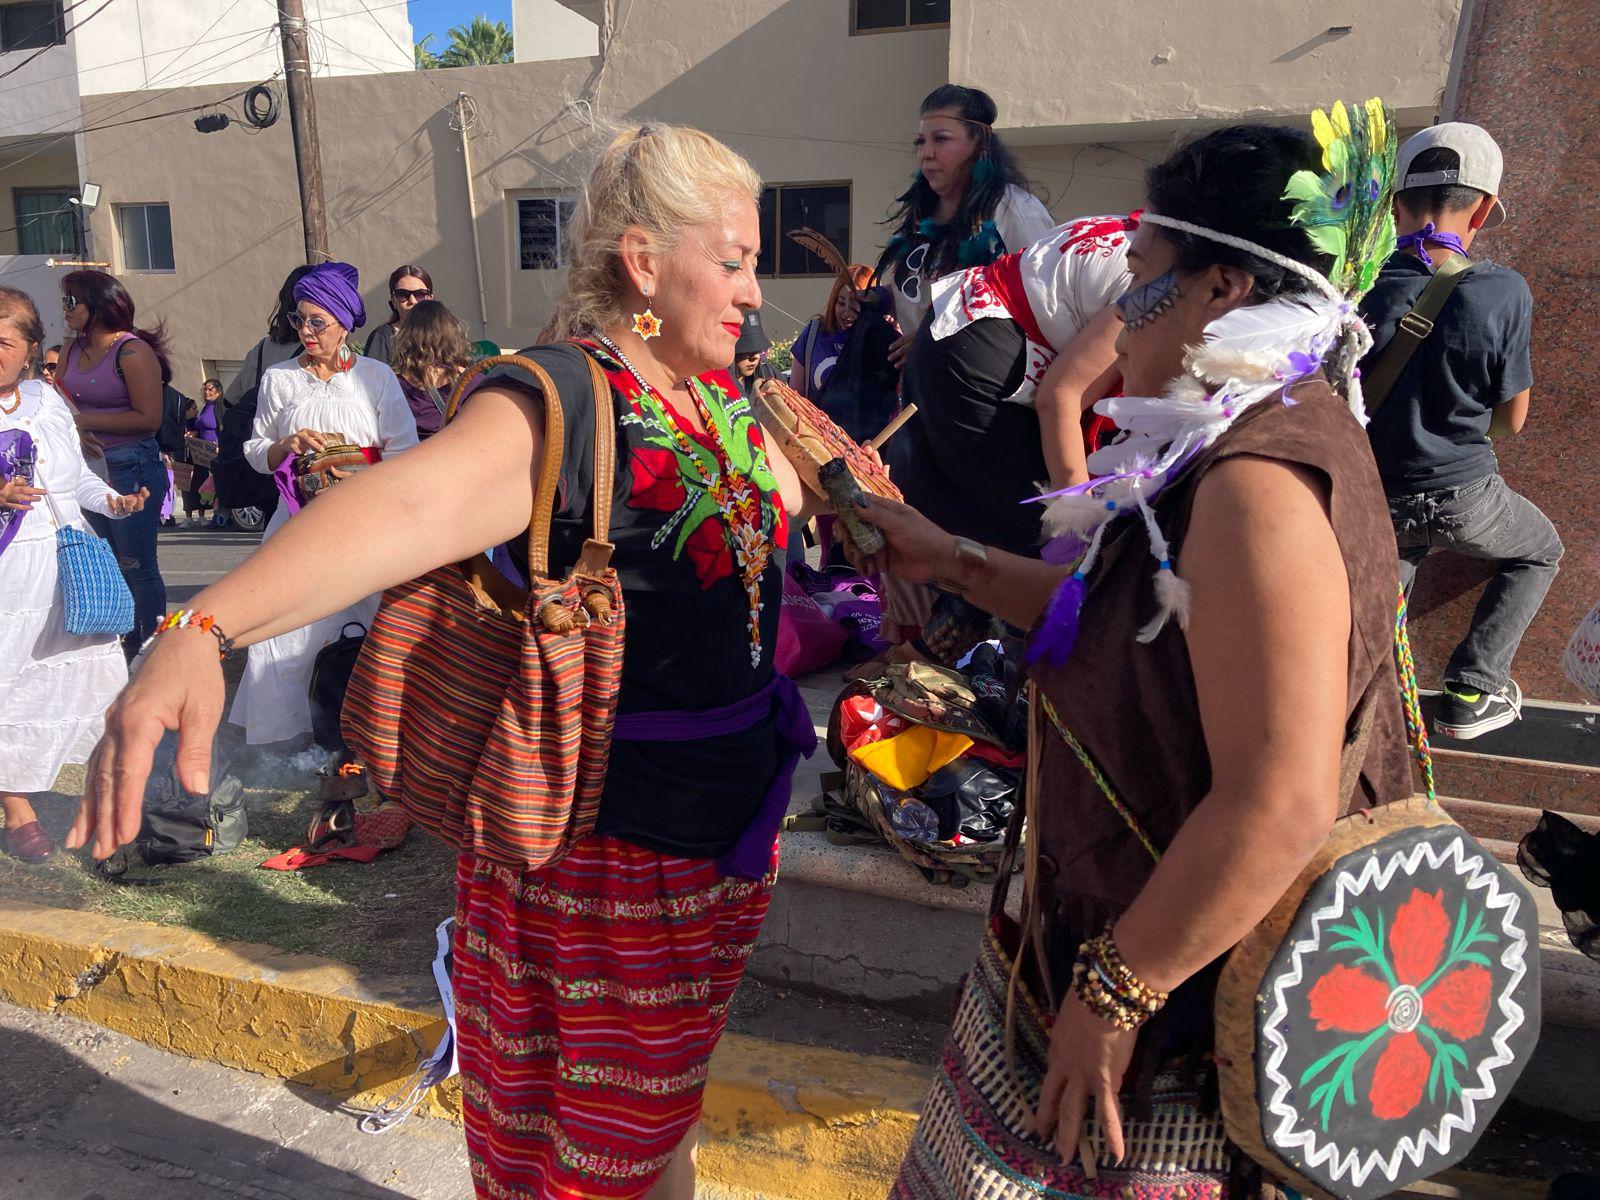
x: 1485, y: 519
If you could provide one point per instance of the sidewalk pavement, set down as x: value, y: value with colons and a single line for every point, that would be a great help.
x: 95, y: 1115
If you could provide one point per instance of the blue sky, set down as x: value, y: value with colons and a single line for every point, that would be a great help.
x: 436, y: 16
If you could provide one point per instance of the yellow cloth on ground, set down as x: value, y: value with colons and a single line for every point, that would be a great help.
x: 907, y: 759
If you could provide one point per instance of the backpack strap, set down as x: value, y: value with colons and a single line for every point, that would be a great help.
x: 1411, y: 332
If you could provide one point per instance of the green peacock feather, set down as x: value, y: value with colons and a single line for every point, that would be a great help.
x: 1346, y: 209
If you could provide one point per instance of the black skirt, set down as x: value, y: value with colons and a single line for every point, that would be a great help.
x: 969, y: 457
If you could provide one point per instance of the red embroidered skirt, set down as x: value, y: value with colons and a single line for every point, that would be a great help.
x: 589, y: 996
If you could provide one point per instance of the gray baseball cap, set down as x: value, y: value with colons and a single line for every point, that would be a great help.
x: 1480, y: 162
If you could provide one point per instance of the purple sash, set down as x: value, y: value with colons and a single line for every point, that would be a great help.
x: 16, y: 459
x: 751, y: 855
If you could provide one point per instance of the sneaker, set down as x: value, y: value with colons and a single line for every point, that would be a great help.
x: 1473, y: 714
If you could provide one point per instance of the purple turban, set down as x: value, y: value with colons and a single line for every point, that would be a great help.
x: 336, y: 287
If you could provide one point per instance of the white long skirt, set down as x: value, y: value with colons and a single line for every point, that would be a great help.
x: 54, y: 685
x: 272, y: 702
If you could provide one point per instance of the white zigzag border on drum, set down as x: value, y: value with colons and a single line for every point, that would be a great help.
x: 1286, y: 1136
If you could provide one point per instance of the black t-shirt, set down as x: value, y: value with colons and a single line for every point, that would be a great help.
x: 1433, y: 431
x: 687, y: 646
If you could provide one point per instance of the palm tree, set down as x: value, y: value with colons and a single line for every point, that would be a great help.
x: 426, y: 58
x: 480, y: 44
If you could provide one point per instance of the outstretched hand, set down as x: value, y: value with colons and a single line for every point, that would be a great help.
x: 178, y: 686
x: 122, y: 506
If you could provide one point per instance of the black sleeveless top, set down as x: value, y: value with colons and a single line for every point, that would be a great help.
x: 688, y: 643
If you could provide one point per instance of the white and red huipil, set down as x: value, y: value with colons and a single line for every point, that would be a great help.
x: 1052, y: 289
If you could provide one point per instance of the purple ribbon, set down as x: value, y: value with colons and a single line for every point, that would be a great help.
x: 1419, y: 240
x: 283, y: 478
x: 16, y: 461
x: 751, y: 856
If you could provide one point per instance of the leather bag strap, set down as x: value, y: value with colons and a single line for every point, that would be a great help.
x: 544, y: 499
x: 605, y: 448
x: 1411, y: 332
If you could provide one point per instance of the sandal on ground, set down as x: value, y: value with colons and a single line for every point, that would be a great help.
x: 29, y: 842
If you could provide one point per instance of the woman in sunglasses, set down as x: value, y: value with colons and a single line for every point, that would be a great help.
x: 326, y: 394
x: 409, y: 286
x: 113, y: 373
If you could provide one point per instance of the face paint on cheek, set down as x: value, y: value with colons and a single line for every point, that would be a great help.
x: 1147, y: 302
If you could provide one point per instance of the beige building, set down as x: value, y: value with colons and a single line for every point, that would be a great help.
x: 820, y: 94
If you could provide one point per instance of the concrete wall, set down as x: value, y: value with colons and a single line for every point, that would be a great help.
x: 32, y: 164
x: 548, y: 29
x: 142, y: 44
x: 40, y: 97
x: 396, y: 190
x: 1098, y: 69
x: 30, y: 274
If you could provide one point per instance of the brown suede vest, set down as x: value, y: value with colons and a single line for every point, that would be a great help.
x: 1134, y: 709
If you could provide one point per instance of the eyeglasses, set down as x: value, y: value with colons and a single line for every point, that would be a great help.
x: 412, y: 294
x: 70, y: 302
x: 315, y: 324
x: 48, y: 368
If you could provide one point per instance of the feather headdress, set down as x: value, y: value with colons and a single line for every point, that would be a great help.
x: 1246, y: 356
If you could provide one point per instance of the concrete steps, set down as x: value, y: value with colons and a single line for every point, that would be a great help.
x: 863, y: 924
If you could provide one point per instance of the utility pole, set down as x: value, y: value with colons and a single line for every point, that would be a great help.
x: 303, y: 122
x: 465, y: 118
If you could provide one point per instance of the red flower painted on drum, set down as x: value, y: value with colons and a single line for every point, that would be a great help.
x: 1417, y: 939
x: 1459, y: 1003
x: 1349, y: 1000
x: 1401, y: 1074
x: 1421, y: 995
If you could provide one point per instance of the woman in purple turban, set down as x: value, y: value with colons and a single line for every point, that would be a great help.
x: 325, y: 395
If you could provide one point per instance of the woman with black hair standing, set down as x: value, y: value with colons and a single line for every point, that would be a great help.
x: 409, y: 286
x: 968, y: 205
x: 114, y: 373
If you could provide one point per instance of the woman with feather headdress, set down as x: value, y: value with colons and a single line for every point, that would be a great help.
x: 1214, y: 616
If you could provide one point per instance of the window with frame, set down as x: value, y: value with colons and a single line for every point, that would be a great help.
x: 824, y: 207
x: 46, y: 223
x: 146, y: 234
x: 542, y: 231
x: 883, y: 16
x: 32, y: 25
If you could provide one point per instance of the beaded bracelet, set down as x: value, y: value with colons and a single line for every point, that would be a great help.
x: 1109, y: 989
x: 185, y: 618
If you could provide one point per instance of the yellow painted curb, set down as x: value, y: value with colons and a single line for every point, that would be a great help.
x: 779, y: 1120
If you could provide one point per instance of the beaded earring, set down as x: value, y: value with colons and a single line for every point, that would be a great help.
x: 646, y: 324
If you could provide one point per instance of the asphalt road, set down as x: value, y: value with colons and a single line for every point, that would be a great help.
x: 192, y: 558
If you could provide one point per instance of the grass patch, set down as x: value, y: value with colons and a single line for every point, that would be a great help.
x: 378, y: 914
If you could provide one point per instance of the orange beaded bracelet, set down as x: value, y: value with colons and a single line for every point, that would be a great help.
x: 185, y: 618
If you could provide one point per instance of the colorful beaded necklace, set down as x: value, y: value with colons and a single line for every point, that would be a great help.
x: 736, y: 497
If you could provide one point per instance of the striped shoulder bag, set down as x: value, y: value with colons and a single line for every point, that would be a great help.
x: 486, y: 709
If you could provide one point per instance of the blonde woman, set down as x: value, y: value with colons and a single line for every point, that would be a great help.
x: 591, y: 993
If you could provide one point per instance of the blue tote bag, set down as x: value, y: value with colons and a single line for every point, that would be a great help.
x: 94, y: 594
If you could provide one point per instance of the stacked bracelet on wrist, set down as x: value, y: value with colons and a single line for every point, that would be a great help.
x: 185, y: 618
x: 1107, y: 988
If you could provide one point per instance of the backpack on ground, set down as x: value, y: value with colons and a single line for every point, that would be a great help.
x: 179, y: 826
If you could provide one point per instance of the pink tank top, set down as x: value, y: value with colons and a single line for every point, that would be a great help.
x: 100, y: 389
